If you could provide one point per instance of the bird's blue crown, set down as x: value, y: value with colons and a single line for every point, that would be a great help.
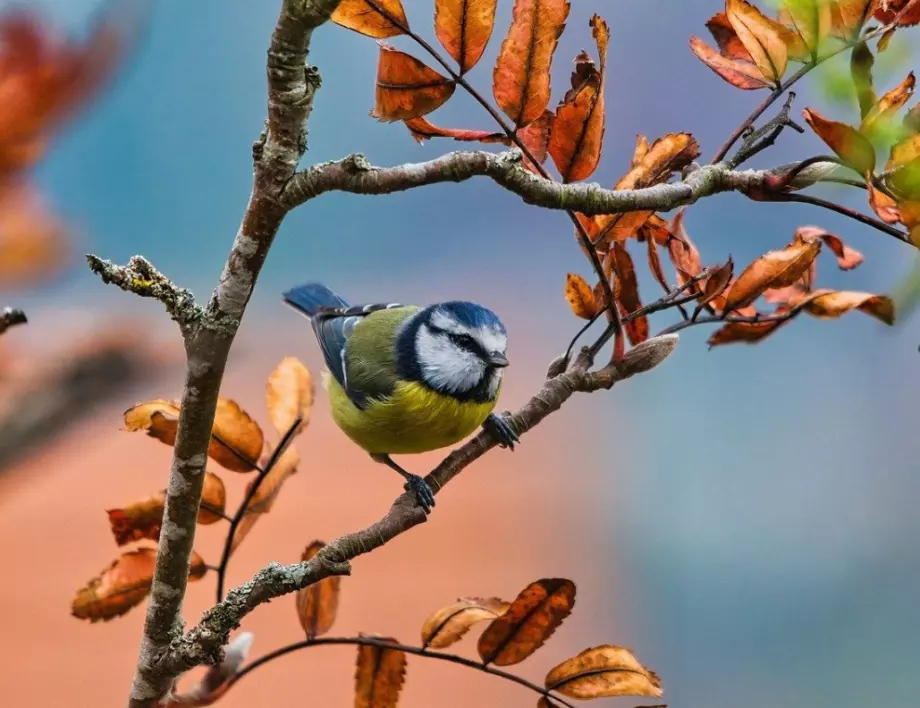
x: 471, y: 314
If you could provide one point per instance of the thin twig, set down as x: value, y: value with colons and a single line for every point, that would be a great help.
x: 756, y: 141
x: 845, y: 211
x: 408, y: 649
x: 214, y: 510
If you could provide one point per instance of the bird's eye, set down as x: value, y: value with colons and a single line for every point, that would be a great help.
x: 465, y: 339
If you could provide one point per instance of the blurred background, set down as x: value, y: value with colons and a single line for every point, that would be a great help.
x: 744, y: 519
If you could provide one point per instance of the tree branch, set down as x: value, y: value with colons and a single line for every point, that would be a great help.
x: 356, y: 175
x: 141, y: 278
x: 10, y: 317
x: 291, y: 88
x: 203, y: 644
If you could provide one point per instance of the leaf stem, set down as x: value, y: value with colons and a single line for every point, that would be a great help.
x: 415, y: 651
x: 845, y: 211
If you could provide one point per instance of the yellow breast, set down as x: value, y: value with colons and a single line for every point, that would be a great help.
x: 414, y: 419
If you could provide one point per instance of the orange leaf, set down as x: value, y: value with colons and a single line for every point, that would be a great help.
x: 421, y: 129
x: 775, y: 269
x: 214, y: 494
x: 852, y: 147
x: 521, y: 79
x: 578, y: 130
x: 463, y: 27
x: 530, y: 620
x: 888, y: 105
x: 654, y: 264
x: 580, y: 296
x: 264, y: 498
x: 684, y: 255
x: 123, y: 585
x: 847, y: 258
x: 628, y: 293
x: 727, y: 39
x: 747, y: 332
x: 33, y: 242
x: 888, y: 9
x: 812, y: 20
x: 738, y: 72
x: 407, y: 88
x: 884, y: 206
x: 380, y: 675
x: 601, y: 672
x: 536, y: 137
x: 861, y: 62
x: 138, y: 520
x: 639, y: 151
x: 289, y: 394
x: 760, y: 36
x: 849, y: 16
x: 318, y: 603
x: 448, y: 625
x: 830, y: 304
x: 715, y: 285
x: 373, y: 18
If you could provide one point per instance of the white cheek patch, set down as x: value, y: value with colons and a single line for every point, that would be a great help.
x: 491, y: 339
x: 444, y: 365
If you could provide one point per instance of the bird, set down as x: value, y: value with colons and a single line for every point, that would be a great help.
x: 405, y: 379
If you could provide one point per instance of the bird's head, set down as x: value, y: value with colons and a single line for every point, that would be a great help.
x: 456, y: 348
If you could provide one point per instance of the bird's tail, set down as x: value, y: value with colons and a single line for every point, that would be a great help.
x: 312, y: 298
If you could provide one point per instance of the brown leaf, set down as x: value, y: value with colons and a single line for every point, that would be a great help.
x: 521, y: 79
x: 884, y: 206
x: 888, y: 105
x: 318, y: 603
x: 639, y: 151
x: 536, y: 137
x: 746, y: 332
x: 33, y: 242
x: 421, y: 129
x: 373, y: 18
x: 812, y: 20
x: 123, y: 585
x: 830, y: 304
x: 847, y: 258
x: 580, y: 296
x: 601, y: 672
x: 888, y: 9
x: 760, y: 36
x: 727, y: 39
x: 578, y: 130
x: 738, y: 72
x: 715, y: 285
x: 407, y: 88
x: 861, y: 63
x: 449, y: 624
x: 214, y: 494
x: 265, y: 495
x: 683, y: 253
x: 138, y: 520
x: 775, y: 269
x: 530, y: 620
x: 380, y: 675
x: 628, y: 293
x: 849, y: 16
x: 654, y: 264
x: 852, y: 147
x: 463, y: 27
x: 289, y: 394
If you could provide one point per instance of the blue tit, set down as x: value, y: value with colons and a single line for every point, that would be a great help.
x: 404, y: 379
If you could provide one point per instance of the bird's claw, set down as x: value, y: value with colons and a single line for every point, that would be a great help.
x: 499, y: 427
x: 418, y: 487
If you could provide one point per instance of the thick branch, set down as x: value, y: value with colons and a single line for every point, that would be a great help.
x: 355, y: 174
x: 10, y: 317
x: 203, y: 644
x: 141, y: 278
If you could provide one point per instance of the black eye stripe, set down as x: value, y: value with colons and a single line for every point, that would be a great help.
x: 464, y: 341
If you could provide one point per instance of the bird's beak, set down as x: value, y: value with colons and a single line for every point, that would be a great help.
x: 498, y: 360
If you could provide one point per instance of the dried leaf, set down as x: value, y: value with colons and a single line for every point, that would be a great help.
x: 727, y: 39
x: 289, y: 394
x: 578, y: 130
x: 318, y: 603
x: 464, y: 27
x: 888, y: 105
x: 861, y: 62
x: 715, y: 285
x: 628, y: 293
x: 380, y: 675
x: 265, y: 495
x: 852, y: 147
x: 530, y: 620
x: 654, y: 264
x: 830, y: 304
x: 123, y: 585
x: 601, y: 672
x: 373, y: 18
x: 33, y: 242
x: 536, y: 137
x: 421, y: 129
x: 884, y: 206
x: 580, y: 296
x: 775, y: 269
x: 406, y: 87
x: 138, y: 520
x: 812, y: 20
x: 738, y: 72
x: 683, y: 253
x: 521, y: 79
x: 214, y: 494
x: 760, y: 37
x: 746, y: 332
x: 849, y: 16
x: 847, y: 258
x: 639, y: 151
x: 887, y: 10
x: 449, y: 624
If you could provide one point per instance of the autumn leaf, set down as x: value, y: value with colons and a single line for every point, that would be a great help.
x: 578, y: 130
x: 266, y: 494
x: 464, y: 27
x: 580, y: 296
x: 746, y: 332
x: 887, y: 106
x: 715, y: 285
x: 861, y: 62
x: 236, y: 439
x: 449, y: 624
x: 884, y: 206
x: 138, y: 520
x: 852, y: 147
x: 33, y: 242
x: 318, y: 603
x: 407, y: 88
x: 214, y: 495
x: 521, y: 78
x: 530, y: 620
x: 831, y: 304
x: 760, y: 37
x: 628, y: 293
x: 812, y: 20
x: 726, y: 38
x: 289, y: 393
x: 775, y: 269
x: 739, y: 73
x: 373, y: 18
x: 123, y: 585
x: 849, y: 16
x: 639, y: 151
x: 380, y: 674
x: 887, y: 10
x: 683, y: 253
x: 601, y: 672
x: 904, y: 166
x: 847, y: 257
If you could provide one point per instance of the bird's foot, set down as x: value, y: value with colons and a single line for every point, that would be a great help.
x: 499, y: 427
x: 418, y: 487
